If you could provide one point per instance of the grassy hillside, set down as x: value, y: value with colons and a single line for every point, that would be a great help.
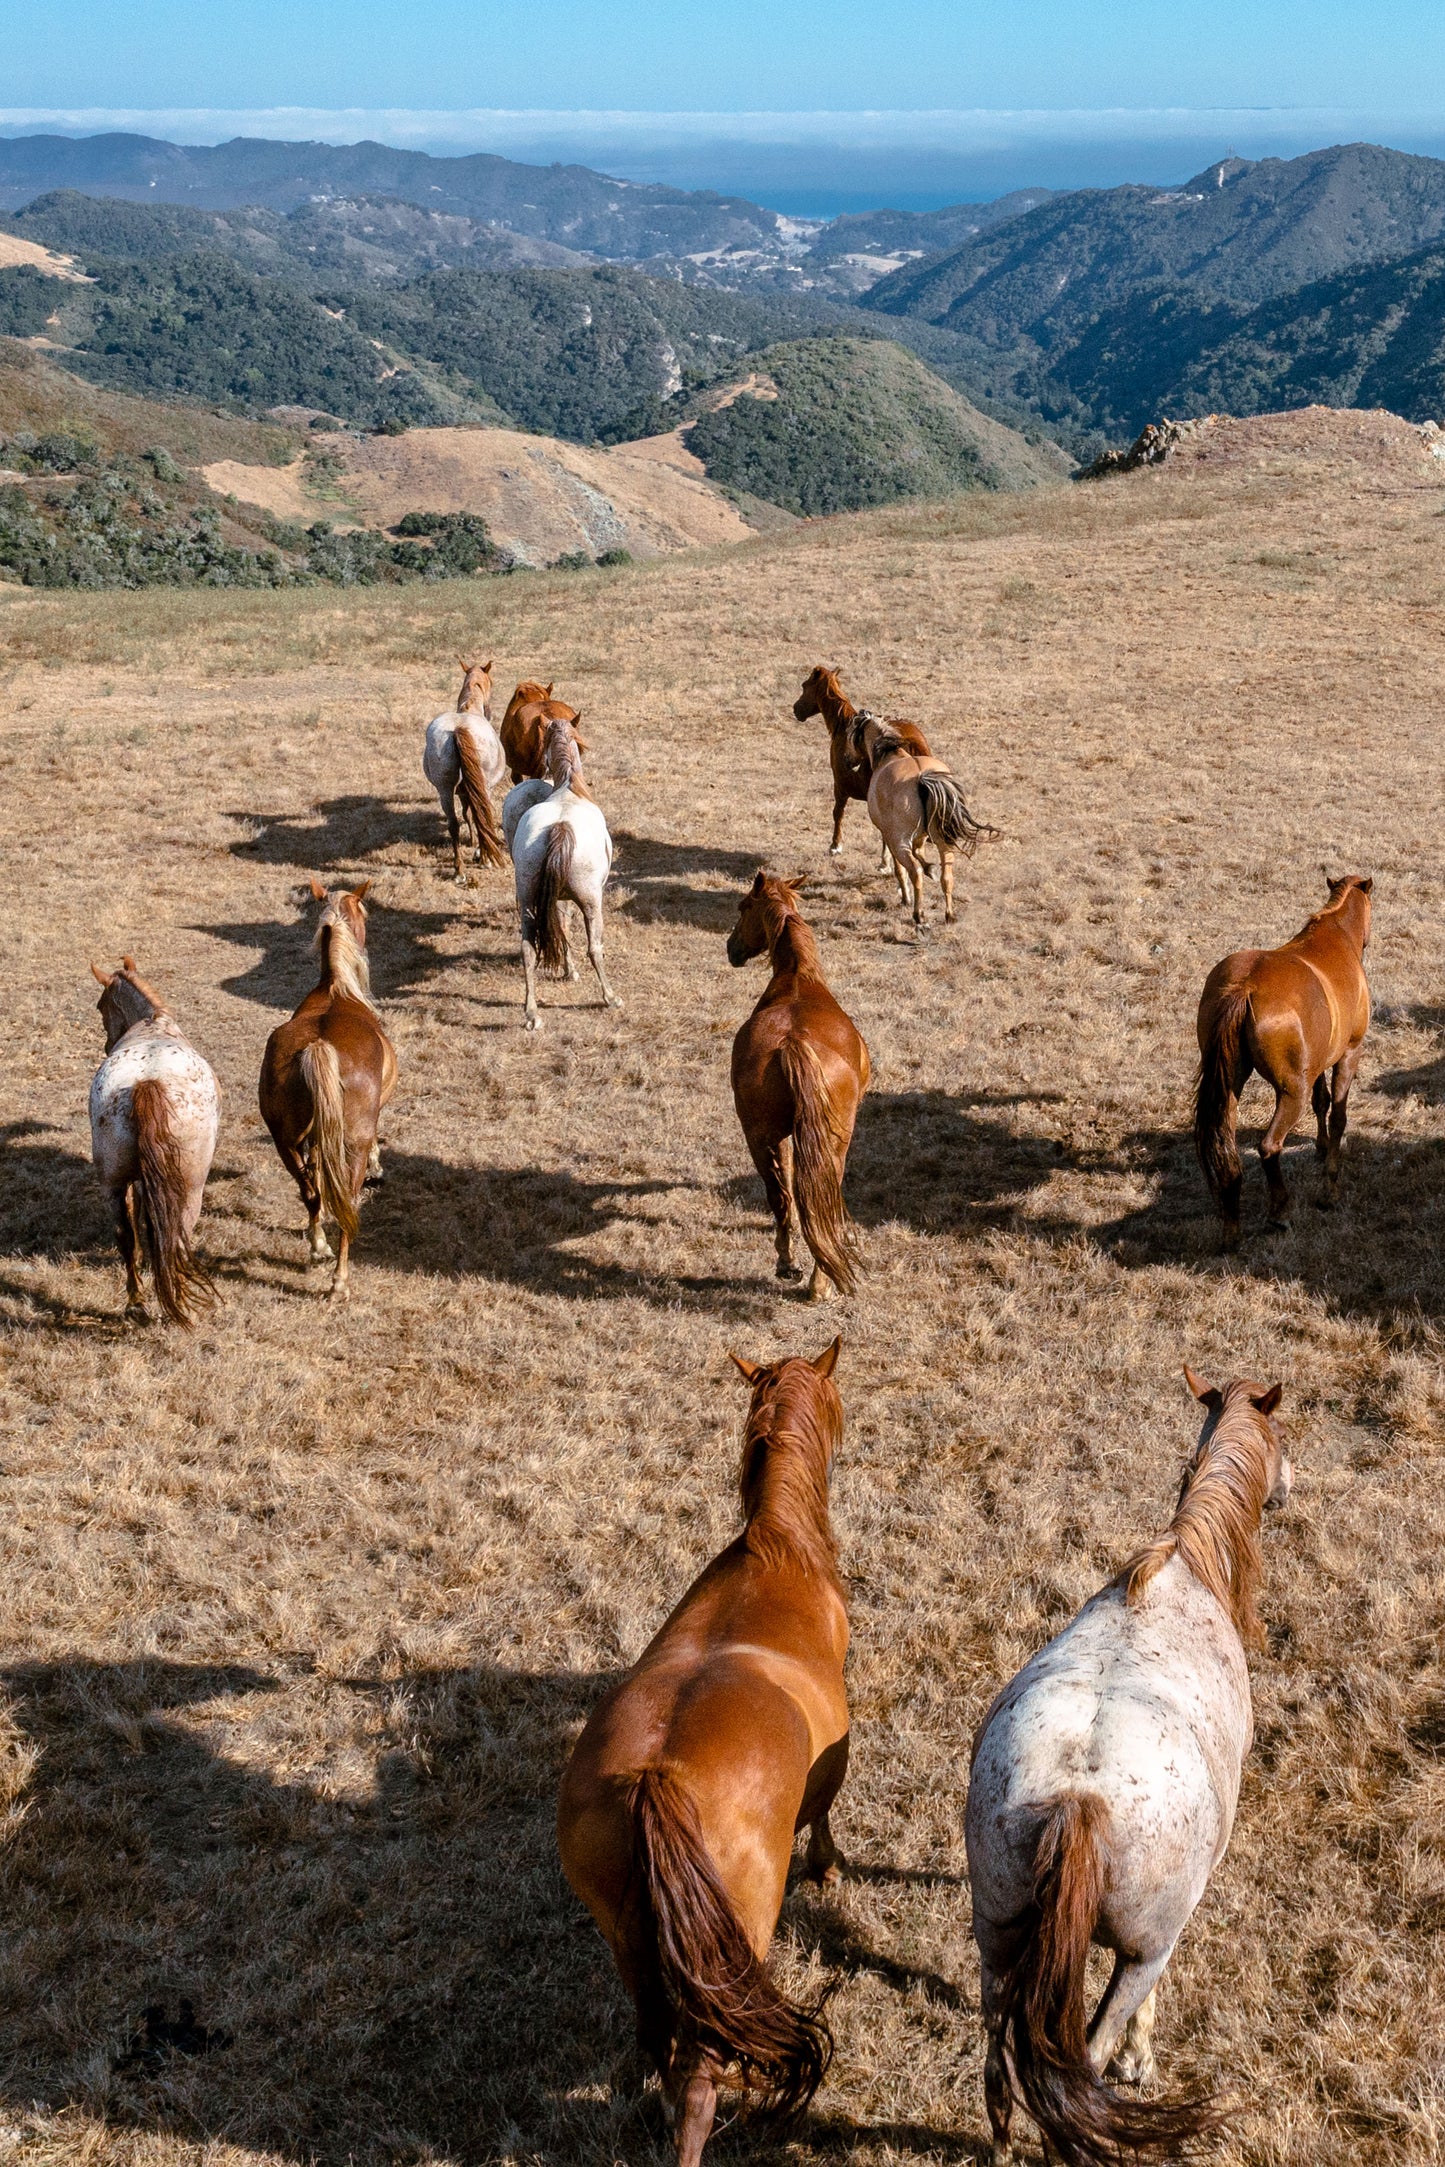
x: 840, y: 424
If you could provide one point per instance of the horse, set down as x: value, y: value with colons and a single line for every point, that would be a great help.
x: 463, y: 753
x: 155, y: 1109
x: 823, y: 695
x: 912, y: 797
x: 1299, y: 1015
x: 325, y: 1077
x: 531, y: 711
x: 1102, y: 1795
x: 561, y: 851
x: 682, y: 1798
x: 799, y: 1070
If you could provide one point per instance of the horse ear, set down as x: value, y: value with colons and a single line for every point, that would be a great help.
x: 103, y: 978
x: 1268, y: 1401
x: 751, y: 1370
x: 1366, y: 885
x: 757, y: 887
x: 551, y: 681
x: 318, y: 892
x: 1208, y: 1395
x: 799, y: 880
x: 128, y: 964
x: 1330, y: 881
x: 486, y: 669
x: 358, y: 893
x: 826, y: 1362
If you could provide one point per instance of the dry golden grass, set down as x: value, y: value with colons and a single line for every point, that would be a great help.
x: 300, y: 1614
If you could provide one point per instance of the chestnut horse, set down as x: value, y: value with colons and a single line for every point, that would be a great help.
x: 728, y: 1735
x: 155, y: 1109
x: 463, y: 757
x: 531, y: 711
x: 913, y: 798
x: 1299, y: 1015
x: 325, y: 1077
x: 823, y: 695
x: 1102, y: 1795
x: 799, y: 1070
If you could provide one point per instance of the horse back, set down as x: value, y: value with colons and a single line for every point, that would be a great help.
x: 365, y: 1056
x: 792, y: 1009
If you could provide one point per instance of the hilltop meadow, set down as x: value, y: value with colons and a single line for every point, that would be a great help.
x: 301, y: 1612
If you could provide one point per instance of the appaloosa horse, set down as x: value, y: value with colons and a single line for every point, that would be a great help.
x: 155, y: 1108
x: 325, y: 1077
x: 1299, y: 1015
x: 912, y: 797
x: 463, y: 754
x: 799, y: 1070
x: 823, y: 695
x: 527, y: 725
x: 1102, y: 1796
x: 561, y: 852
x: 729, y: 1734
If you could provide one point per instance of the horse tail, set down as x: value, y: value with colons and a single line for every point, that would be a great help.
x: 321, y: 1071
x: 553, y: 879
x: 714, y: 1989
x: 183, y: 1285
x: 477, y: 798
x: 816, y: 1181
x: 946, y: 818
x: 1085, y: 2120
x: 1216, y: 1088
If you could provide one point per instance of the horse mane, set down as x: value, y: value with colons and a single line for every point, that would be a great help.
x: 784, y: 917
x: 828, y: 683
x: 792, y: 1428
x: 343, y: 959
x: 1215, y: 1528
x: 561, y: 752
x: 1331, y: 909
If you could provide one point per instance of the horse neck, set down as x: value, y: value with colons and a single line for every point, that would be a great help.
x: 475, y: 702
x: 344, y: 968
x: 134, y: 1005
x: 1215, y: 1530
x: 838, y: 710
x: 787, y: 1523
x: 791, y: 946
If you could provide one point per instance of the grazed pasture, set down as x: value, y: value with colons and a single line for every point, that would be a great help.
x: 300, y: 1614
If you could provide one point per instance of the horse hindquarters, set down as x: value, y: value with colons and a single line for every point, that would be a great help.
x: 820, y: 1150
x: 170, y: 1205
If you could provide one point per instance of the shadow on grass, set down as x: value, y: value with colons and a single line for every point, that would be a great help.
x: 660, y: 878
x: 51, y: 1203
x: 400, y: 944
x: 342, y: 831
x: 1428, y: 1080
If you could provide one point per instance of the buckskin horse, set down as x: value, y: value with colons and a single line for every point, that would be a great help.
x: 531, y: 711
x: 1298, y: 1014
x: 155, y: 1109
x: 823, y: 695
x: 729, y: 1734
x: 912, y: 797
x: 561, y: 852
x: 325, y: 1077
x: 799, y: 1071
x: 463, y: 754
x: 1102, y: 1795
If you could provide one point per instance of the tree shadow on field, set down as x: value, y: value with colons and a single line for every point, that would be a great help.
x: 660, y: 878
x: 940, y: 1164
x: 400, y: 945
x: 51, y: 1203
x: 336, y: 832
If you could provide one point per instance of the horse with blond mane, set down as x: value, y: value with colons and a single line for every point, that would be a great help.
x: 527, y: 725
x: 1298, y: 1014
x: 463, y: 756
x: 561, y: 852
x: 729, y: 1734
x: 1102, y: 1795
x: 799, y: 1071
x: 325, y: 1078
x: 823, y: 695
x: 155, y: 1109
x: 912, y: 798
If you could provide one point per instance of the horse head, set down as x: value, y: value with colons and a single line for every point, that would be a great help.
x: 795, y: 1416
x: 767, y: 903
x: 1341, y: 887
x: 476, y: 692
x: 345, y: 907
x: 1257, y: 1404
x: 125, y: 999
x: 820, y: 691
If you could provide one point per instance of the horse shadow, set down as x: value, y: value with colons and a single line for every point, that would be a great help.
x: 1427, y: 1081
x: 939, y: 1163
x: 337, y: 832
x: 401, y: 946
x: 661, y: 882
x: 51, y: 1203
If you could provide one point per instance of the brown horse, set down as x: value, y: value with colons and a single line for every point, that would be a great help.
x: 325, y: 1077
x: 530, y: 713
x: 799, y: 1071
x: 729, y: 1734
x: 823, y: 695
x: 1299, y: 1015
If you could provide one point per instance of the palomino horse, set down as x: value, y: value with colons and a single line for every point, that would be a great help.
x: 728, y: 1735
x: 561, y: 852
x: 799, y: 1071
x: 1299, y: 1015
x: 154, y: 1111
x: 531, y: 711
x: 1102, y: 1795
x: 912, y: 797
x: 463, y: 754
x: 325, y: 1077
x: 823, y: 695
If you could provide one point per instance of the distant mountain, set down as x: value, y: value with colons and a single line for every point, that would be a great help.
x: 919, y: 233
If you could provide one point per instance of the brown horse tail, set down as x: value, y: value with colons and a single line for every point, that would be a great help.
x: 183, y: 1285
x: 1215, y: 1090
x: 327, y: 1133
x: 548, y: 932
x: 477, y: 799
x: 718, y: 1996
x: 816, y: 1181
x: 946, y: 818
x: 1086, y: 2121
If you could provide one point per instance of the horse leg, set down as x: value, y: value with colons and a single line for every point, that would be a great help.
x: 373, y: 1160
x: 446, y: 793
x: 774, y: 1162
x: 998, y: 2095
x: 1132, y: 1984
x: 945, y: 859
x: 530, y: 1017
x: 127, y: 1240
x: 298, y: 1167
x: 695, y: 2104
x: 825, y: 1781
x: 915, y: 875
x: 592, y: 919
x: 1344, y: 1076
x: 840, y: 806
x: 571, y: 959
x: 1320, y: 1101
x: 357, y: 1158
x: 1288, y: 1106
x: 1133, y: 2062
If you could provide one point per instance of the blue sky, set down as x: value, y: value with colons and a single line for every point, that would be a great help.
x: 1047, y: 90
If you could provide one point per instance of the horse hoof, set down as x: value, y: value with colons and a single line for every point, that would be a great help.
x: 830, y: 1878
x: 1326, y: 1203
x: 788, y: 1271
x: 137, y: 1314
x: 338, y: 1291
x: 612, y: 1000
x: 533, y: 1023
x: 835, y: 850
x: 1276, y: 1226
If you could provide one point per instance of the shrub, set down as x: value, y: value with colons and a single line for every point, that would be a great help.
x: 615, y: 556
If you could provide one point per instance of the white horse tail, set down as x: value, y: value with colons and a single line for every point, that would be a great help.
x: 1086, y: 2121
x: 946, y: 818
x: 554, y: 875
x: 183, y: 1285
x: 321, y: 1071
x: 477, y: 798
